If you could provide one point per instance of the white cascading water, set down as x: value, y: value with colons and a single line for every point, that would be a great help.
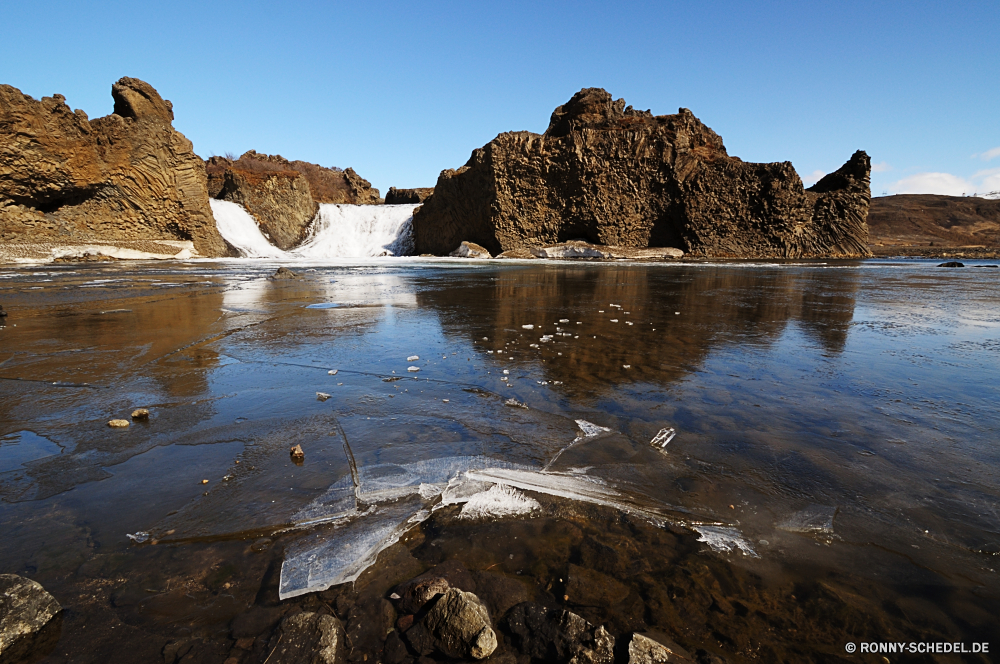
x: 338, y: 231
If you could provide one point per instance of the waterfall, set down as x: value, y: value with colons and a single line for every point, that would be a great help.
x: 337, y: 231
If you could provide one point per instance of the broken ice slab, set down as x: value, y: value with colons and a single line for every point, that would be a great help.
x: 332, y: 372
x: 590, y: 429
x: 413, y: 358
x: 326, y: 558
x: 661, y: 439
x: 322, y: 396
x: 514, y: 403
x: 140, y: 537
x: 724, y: 539
x: 815, y: 519
x: 413, y: 368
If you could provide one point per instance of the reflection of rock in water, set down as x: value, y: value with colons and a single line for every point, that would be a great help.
x: 717, y: 306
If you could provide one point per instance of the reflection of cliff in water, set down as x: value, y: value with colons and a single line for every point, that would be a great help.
x: 677, y: 315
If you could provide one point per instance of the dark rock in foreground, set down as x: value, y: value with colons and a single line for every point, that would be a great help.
x: 311, y: 638
x: 555, y: 635
x: 30, y: 620
x: 617, y: 176
x: 127, y: 176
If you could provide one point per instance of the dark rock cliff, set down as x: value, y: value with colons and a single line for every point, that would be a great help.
x: 613, y: 175
x: 127, y: 176
x: 404, y: 196
x: 280, y: 201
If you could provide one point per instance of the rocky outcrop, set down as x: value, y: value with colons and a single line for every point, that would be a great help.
x: 612, y: 175
x: 407, y: 196
x: 326, y: 185
x: 30, y: 619
x: 280, y: 201
x: 126, y: 176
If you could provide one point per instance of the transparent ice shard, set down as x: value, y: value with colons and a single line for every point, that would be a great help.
x: 815, y: 519
x: 724, y: 539
x: 661, y: 439
x: 498, y: 501
x: 326, y: 559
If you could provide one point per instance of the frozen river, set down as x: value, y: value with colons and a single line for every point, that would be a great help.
x: 832, y: 474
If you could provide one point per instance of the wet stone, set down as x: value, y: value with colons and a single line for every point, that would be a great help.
x: 460, y: 625
x: 30, y: 619
x: 369, y: 620
x: 256, y: 621
x: 118, y: 424
x: 394, y: 651
x: 285, y: 273
x: 140, y: 414
x: 499, y: 593
x: 308, y: 637
x: 644, y: 650
x: 415, y: 594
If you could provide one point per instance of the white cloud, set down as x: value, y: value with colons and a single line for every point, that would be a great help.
x: 980, y: 183
x: 989, y: 154
x: 881, y: 167
x: 931, y: 183
x: 812, y: 178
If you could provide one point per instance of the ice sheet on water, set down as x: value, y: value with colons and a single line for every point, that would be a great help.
x: 815, y: 519
x: 724, y: 539
x: 590, y: 429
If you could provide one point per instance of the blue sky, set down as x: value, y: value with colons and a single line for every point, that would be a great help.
x: 401, y: 91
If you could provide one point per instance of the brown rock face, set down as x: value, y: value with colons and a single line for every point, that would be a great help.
x: 327, y: 185
x: 127, y: 176
x: 280, y: 201
x: 407, y: 196
x: 612, y: 175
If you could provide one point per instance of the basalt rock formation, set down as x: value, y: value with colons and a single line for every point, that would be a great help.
x: 613, y: 175
x: 407, y: 196
x: 127, y: 176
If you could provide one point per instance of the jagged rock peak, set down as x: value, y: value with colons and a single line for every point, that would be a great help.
x: 138, y: 99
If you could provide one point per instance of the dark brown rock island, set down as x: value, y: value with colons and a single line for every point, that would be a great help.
x: 128, y: 176
x: 613, y: 175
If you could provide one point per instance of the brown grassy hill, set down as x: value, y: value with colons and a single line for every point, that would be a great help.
x: 927, y: 222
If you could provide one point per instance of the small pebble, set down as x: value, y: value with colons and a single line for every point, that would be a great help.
x: 140, y: 414
x: 297, y: 453
x: 118, y: 423
x: 204, y: 481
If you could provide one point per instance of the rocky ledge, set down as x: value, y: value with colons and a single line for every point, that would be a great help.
x: 616, y: 176
x: 407, y: 196
x: 130, y: 175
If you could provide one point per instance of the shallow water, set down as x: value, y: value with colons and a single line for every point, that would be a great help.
x: 833, y: 421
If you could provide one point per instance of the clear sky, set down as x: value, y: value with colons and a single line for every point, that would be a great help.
x: 401, y: 91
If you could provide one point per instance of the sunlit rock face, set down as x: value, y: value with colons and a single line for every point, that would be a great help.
x: 127, y: 176
x: 613, y: 175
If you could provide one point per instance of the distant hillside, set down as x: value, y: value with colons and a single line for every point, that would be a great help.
x: 927, y: 220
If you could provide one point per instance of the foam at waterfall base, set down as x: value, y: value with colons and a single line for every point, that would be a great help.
x: 357, y: 231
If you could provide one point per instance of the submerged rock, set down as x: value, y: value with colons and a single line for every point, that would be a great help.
x: 952, y: 264
x: 284, y: 273
x: 470, y: 250
x: 308, y: 638
x: 621, y: 177
x: 555, y: 635
x: 644, y: 650
x: 30, y: 619
x: 460, y: 625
